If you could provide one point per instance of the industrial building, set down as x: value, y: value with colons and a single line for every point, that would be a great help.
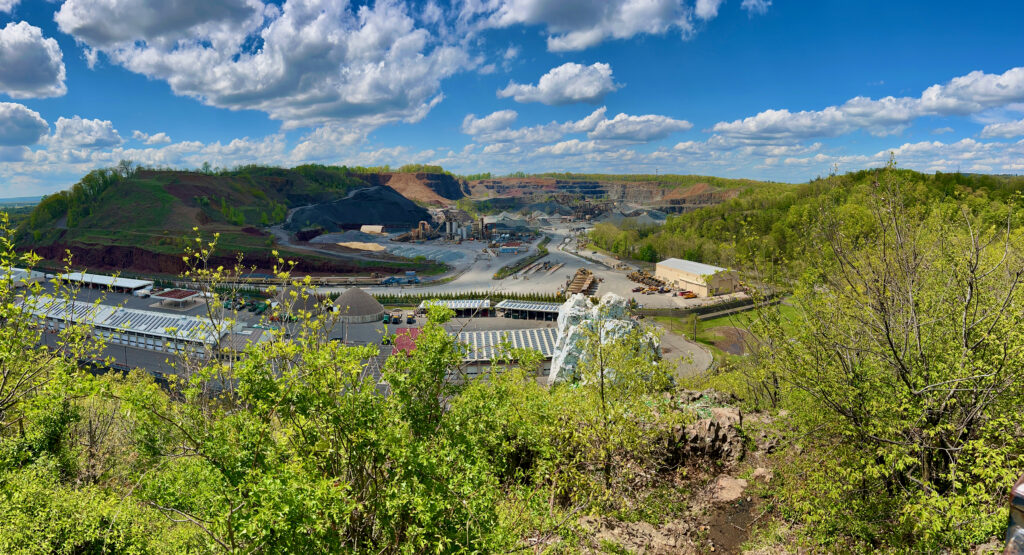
x: 464, y: 308
x: 506, y: 223
x: 142, y: 329
x: 99, y: 281
x: 178, y: 297
x: 528, y: 310
x: 483, y: 346
x: 21, y: 277
x: 703, y: 279
x: 356, y: 306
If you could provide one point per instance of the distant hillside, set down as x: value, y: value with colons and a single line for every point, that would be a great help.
x: 772, y: 221
x: 142, y: 219
x: 20, y: 201
x: 669, y: 193
x: 664, y: 180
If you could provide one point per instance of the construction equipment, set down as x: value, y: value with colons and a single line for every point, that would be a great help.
x: 644, y: 277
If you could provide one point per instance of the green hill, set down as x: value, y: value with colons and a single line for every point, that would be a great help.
x: 141, y: 219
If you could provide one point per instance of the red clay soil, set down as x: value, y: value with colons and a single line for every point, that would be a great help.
x: 438, y: 189
x: 693, y: 190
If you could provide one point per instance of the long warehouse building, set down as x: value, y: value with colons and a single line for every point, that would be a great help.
x: 100, y: 281
x: 484, y: 346
x: 528, y: 310
x: 142, y: 329
x: 703, y: 279
x: 464, y: 308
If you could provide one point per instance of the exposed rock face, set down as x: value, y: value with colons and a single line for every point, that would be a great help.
x: 578, y: 319
x: 652, y: 194
x: 716, y: 436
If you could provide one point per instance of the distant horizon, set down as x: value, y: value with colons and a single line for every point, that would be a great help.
x: 741, y: 89
x: 37, y: 198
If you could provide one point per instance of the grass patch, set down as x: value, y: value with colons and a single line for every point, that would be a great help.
x: 707, y: 333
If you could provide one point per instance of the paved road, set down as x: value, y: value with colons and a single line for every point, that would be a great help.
x: 689, y: 358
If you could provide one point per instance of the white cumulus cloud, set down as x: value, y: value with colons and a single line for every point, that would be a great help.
x: 160, y: 138
x: 77, y: 132
x: 472, y: 125
x: 115, y: 23
x: 20, y: 126
x: 581, y: 24
x: 565, y: 84
x: 644, y: 128
x: 499, y: 132
x: 965, y: 95
x: 707, y: 9
x: 31, y: 66
x: 1004, y: 130
x: 6, y: 6
x: 305, y: 63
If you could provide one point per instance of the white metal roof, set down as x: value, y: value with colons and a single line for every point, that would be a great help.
x: 509, y: 304
x: 106, y: 281
x: 691, y: 267
x: 461, y: 304
x: 483, y: 344
x: 113, y: 318
x: 18, y: 274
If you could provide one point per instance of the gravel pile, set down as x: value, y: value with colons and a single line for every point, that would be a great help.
x: 367, y: 206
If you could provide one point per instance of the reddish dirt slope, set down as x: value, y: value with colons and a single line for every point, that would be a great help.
x: 435, y: 189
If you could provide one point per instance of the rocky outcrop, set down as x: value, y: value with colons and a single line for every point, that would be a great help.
x: 579, y: 320
x: 717, y: 434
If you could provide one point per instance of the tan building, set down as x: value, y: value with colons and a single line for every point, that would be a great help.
x: 703, y: 279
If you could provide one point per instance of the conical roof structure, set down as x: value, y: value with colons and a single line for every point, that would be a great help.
x: 357, y: 306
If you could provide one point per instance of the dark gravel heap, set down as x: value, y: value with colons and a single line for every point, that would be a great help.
x: 367, y: 206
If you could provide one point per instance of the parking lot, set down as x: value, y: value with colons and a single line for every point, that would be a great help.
x: 477, y: 276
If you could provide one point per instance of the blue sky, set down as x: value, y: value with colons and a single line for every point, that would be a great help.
x: 765, y: 89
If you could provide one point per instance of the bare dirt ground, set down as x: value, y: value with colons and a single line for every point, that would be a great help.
x: 707, y: 525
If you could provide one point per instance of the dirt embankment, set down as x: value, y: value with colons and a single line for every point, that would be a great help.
x: 135, y: 259
x: 431, y: 188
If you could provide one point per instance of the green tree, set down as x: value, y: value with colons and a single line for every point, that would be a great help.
x: 906, y: 369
